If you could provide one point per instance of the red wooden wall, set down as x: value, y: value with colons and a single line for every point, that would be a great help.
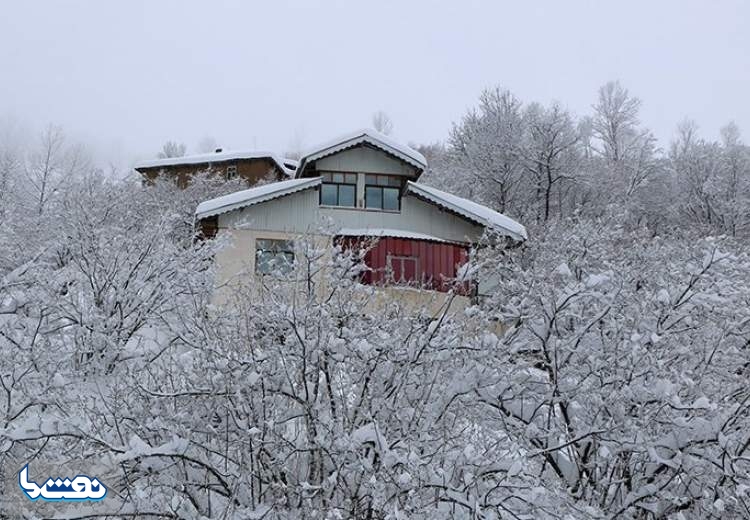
x: 419, y: 263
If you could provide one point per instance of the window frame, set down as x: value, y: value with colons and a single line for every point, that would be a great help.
x: 402, y: 259
x: 347, y: 179
x: 383, y: 183
x: 231, y: 172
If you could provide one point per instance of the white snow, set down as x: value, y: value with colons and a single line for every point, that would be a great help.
x: 563, y: 270
x: 364, y: 135
x: 291, y: 164
x: 230, y: 155
x: 596, y: 280
x: 663, y: 297
x: 476, y: 212
x: 244, y: 198
x: 384, y: 232
x: 702, y: 402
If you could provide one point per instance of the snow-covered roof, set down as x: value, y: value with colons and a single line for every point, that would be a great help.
x: 244, y: 198
x: 230, y: 155
x: 471, y: 210
x: 383, y: 232
x: 369, y: 136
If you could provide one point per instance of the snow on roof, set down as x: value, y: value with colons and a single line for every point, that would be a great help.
x: 382, y: 232
x: 230, y: 155
x: 292, y: 164
x: 471, y: 210
x: 365, y: 135
x: 244, y: 198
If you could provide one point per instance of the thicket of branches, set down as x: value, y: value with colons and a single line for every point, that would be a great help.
x: 541, y: 163
x: 616, y: 386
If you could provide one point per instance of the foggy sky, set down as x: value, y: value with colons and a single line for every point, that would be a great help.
x: 128, y: 75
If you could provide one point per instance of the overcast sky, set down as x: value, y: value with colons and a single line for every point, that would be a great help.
x: 128, y: 75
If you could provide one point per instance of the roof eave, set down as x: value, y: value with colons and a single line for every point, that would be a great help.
x: 247, y: 203
x: 414, y: 189
x: 275, y: 160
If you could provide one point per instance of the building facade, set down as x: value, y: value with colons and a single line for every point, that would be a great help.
x: 252, y: 166
x: 359, y: 191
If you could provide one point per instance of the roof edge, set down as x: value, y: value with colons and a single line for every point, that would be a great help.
x: 371, y: 137
x: 512, y: 228
x: 211, y: 158
x: 252, y: 196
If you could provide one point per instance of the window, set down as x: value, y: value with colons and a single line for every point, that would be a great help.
x: 338, y: 189
x: 231, y: 171
x: 274, y: 256
x: 383, y: 192
x: 403, y: 270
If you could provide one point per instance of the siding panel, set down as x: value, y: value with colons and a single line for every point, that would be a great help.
x: 300, y: 213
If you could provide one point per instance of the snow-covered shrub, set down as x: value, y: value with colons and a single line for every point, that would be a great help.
x: 617, y: 388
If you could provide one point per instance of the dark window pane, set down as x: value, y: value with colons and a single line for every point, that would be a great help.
x: 338, y: 177
x: 383, y: 180
x: 374, y: 197
x: 351, y: 178
x: 371, y: 179
x: 326, y: 177
x: 346, y: 195
x: 283, y: 262
x: 263, y: 262
x: 394, y: 181
x: 285, y: 246
x: 274, y: 256
x: 328, y: 195
x: 273, y: 245
x: 390, y: 199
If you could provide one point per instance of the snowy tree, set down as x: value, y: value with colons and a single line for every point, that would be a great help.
x: 615, y: 121
x: 206, y: 145
x: 604, y: 375
x: 622, y: 374
x: 734, y: 187
x: 484, y: 158
x: 712, y: 179
x: 523, y: 161
x: 382, y: 122
x: 628, y: 152
x: 10, y: 166
x: 172, y: 149
x: 51, y: 163
x: 597, y: 380
x: 551, y: 155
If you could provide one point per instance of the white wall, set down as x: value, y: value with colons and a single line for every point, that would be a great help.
x: 237, y: 269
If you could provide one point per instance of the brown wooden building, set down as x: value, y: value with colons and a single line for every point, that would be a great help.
x: 252, y: 166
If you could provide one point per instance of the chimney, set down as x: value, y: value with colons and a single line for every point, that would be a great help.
x: 218, y: 150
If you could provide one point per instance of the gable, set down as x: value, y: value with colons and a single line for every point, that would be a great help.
x: 365, y: 139
x: 365, y: 159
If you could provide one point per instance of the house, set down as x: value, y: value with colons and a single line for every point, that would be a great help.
x: 359, y: 189
x: 250, y: 165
